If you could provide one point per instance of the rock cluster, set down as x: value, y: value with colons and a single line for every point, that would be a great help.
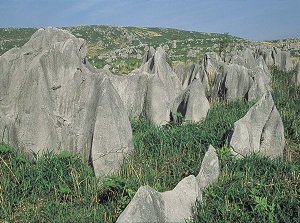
x: 157, y: 92
x: 51, y: 98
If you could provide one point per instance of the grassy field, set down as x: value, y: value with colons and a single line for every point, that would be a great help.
x: 62, y: 188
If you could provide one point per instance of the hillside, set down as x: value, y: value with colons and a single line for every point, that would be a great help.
x: 122, y: 48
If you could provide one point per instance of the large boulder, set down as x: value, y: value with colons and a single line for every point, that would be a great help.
x: 260, y: 130
x: 211, y: 63
x: 209, y: 170
x: 282, y: 59
x: 244, y: 58
x: 155, y: 63
x: 51, y: 99
x: 176, y: 205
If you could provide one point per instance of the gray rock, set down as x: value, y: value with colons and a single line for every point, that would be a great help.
x: 149, y: 205
x: 296, y: 76
x: 282, y: 59
x: 234, y: 82
x: 192, y: 103
x: 51, y: 98
x: 211, y: 62
x: 133, y: 91
x: 274, y: 56
x: 176, y: 205
x: 259, y: 84
x: 210, y: 169
x: 260, y: 130
x: 266, y: 53
x: 157, y: 64
x: 188, y: 72
x: 244, y: 58
x: 151, y: 89
x: 244, y: 77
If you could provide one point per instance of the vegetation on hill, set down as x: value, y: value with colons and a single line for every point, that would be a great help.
x: 122, y: 48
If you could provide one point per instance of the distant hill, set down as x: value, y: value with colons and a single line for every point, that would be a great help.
x: 122, y: 48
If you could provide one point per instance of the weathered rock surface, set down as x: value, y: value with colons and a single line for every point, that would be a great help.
x: 296, y: 75
x: 242, y: 77
x: 151, y: 89
x: 52, y: 99
x: 232, y: 83
x: 276, y: 57
x: 192, y: 103
x: 189, y: 72
x: 155, y: 63
x: 210, y: 169
x: 260, y: 130
x: 149, y: 205
x: 211, y: 63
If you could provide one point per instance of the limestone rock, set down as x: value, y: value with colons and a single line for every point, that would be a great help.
x: 244, y: 58
x: 232, y: 83
x: 296, y: 75
x: 260, y: 130
x: 151, y: 89
x: 149, y: 205
x: 192, y: 103
x: 212, y: 63
x: 52, y: 99
x: 188, y: 72
x: 277, y: 57
x: 157, y: 64
x: 210, y: 169
x: 259, y: 84
x: 245, y: 76
x: 282, y: 59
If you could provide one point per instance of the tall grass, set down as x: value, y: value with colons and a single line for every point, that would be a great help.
x: 255, y: 189
x: 62, y: 188
x: 56, y: 188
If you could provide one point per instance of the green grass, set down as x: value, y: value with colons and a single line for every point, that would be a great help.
x: 255, y: 189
